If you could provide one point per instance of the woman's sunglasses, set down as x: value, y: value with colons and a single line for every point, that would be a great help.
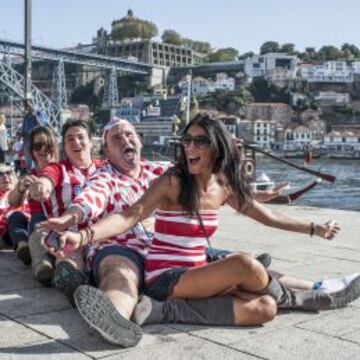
x: 40, y: 145
x: 199, y: 141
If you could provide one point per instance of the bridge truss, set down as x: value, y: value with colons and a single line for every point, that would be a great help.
x: 12, y: 82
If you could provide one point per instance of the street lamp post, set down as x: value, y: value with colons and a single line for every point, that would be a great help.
x: 27, y: 89
x: 188, y: 96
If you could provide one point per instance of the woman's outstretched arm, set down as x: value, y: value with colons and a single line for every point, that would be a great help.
x: 116, y: 224
x: 279, y: 220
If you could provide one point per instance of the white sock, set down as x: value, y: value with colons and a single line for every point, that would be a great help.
x: 337, y: 284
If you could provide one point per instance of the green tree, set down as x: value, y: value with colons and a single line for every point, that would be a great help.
x: 171, y: 37
x: 311, y: 52
x: 85, y: 95
x: 223, y: 55
x: 133, y: 28
x: 329, y: 52
x: 269, y: 46
x: 199, y: 46
x: 288, y: 48
x: 245, y: 55
x: 350, y: 51
x: 231, y: 102
x: 262, y: 91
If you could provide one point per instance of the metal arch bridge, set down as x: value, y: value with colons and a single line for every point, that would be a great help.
x: 99, y: 61
x: 12, y: 83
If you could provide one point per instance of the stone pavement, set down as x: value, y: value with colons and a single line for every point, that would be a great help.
x: 38, y: 323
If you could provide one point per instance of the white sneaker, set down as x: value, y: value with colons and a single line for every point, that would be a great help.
x: 337, y: 284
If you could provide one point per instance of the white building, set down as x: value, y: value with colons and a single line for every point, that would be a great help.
x: 355, y: 65
x: 226, y: 84
x: 298, y: 138
x: 265, y: 65
x: 329, y: 71
x: 343, y: 141
x: 263, y: 133
x: 332, y: 98
x: 201, y: 86
x: 279, y: 76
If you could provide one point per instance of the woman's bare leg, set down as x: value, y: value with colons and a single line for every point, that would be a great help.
x: 209, y: 280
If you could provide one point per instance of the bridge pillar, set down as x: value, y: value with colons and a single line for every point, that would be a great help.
x: 111, y: 94
x: 58, y: 90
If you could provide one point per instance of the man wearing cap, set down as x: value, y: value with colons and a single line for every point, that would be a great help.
x: 117, y: 263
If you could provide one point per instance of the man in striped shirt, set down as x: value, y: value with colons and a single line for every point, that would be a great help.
x: 117, y: 264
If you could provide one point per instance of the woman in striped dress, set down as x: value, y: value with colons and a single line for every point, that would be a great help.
x: 186, y: 200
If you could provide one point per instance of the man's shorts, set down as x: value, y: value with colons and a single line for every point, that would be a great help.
x: 118, y: 250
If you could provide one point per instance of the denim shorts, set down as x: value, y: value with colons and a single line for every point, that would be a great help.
x: 213, y: 254
x: 118, y: 250
x: 161, y: 288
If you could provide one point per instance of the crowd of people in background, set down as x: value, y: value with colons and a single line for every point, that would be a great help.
x: 87, y: 227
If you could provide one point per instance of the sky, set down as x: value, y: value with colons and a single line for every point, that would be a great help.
x: 242, y: 24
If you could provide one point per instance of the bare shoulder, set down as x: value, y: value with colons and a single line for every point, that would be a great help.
x: 169, y: 184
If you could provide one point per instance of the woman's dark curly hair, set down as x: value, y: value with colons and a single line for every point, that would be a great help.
x: 227, y: 164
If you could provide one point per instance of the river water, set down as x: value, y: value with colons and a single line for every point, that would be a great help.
x: 344, y: 193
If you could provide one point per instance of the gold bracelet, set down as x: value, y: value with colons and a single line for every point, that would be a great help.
x: 73, y: 219
x: 92, y: 234
x: 82, y: 239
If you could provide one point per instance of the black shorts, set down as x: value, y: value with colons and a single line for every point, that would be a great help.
x: 118, y: 250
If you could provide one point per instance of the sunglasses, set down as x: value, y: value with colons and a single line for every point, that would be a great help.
x: 8, y: 173
x: 199, y: 141
x: 39, y: 146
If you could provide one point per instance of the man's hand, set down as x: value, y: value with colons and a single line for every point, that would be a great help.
x: 58, y: 224
x: 69, y: 242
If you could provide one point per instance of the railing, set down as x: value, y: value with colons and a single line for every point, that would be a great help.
x: 14, y: 86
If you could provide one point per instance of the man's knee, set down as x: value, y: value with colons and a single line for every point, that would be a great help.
x: 266, y: 309
x: 259, y: 311
x: 118, y: 271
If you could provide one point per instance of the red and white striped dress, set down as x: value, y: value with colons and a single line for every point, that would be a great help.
x: 179, y: 241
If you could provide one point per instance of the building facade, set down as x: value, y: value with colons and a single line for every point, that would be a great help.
x: 278, y: 112
x: 265, y: 65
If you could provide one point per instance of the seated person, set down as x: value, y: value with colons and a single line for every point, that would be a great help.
x: 13, y: 220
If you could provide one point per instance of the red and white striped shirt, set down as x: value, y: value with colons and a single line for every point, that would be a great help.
x: 6, y: 210
x: 109, y: 191
x: 179, y: 241
x: 68, y: 182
